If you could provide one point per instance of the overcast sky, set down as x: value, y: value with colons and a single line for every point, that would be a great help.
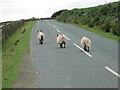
x: 24, y: 9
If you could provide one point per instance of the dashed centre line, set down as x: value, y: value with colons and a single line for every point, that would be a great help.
x: 58, y: 30
x: 54, y: 26
x: 83, y: 50
x: 110, y: 70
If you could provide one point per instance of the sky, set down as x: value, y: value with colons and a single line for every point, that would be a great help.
x: 24, y: 9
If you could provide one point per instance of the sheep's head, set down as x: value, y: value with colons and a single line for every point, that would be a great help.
x: 40, y: 30
x: 57, y: 35
x: 81, y: 36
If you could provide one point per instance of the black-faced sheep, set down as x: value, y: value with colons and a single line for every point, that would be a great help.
x: 85, y: 42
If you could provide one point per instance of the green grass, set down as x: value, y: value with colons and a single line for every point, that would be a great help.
x: 12, y: 55
x: 97, y: 31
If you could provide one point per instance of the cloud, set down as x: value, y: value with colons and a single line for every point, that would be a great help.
x: 20, y: 9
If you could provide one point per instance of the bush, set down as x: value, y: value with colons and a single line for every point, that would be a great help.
x: 100, y: 16
x: 106, y: 27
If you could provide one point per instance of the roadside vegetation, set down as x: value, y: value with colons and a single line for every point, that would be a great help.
x: 103, y: 19
x: 13, y: 50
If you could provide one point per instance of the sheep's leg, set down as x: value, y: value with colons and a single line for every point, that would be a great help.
x: 64, y: 44
x: 85, y: 49
x: 61, y: 45
x: 88, y: 49
x: 41, y: 41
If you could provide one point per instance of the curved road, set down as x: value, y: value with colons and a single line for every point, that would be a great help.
x: 72, y: 67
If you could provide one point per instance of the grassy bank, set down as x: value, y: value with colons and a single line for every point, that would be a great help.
x: 97, y: 31
x: 12, y: 55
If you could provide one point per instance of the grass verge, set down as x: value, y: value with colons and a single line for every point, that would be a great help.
x: 97, y: 31
x: 12, y: 55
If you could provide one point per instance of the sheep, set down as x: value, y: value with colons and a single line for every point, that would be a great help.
x: 40, y: 37
x: 61, y: 40
x: 85, y: 42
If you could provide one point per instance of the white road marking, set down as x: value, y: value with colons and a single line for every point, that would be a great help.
x: 58, y: 30
x: 66, y: 37
x: 53, y: 26
x: 82, y: 50
x: 110, y: 70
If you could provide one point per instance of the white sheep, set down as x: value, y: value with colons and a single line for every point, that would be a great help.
x: 40, y: 36
x: 85, y: 42
x: 61, y: 40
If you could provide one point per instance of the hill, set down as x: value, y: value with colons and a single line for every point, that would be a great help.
x: 104, y: 17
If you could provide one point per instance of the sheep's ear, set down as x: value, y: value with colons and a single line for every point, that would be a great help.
x: 81, y: 36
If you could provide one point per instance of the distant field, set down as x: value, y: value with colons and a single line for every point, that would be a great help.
x: 12, y: 55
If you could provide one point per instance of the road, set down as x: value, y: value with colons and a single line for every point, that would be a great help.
x: 71, y: 67
x: 1, y: 33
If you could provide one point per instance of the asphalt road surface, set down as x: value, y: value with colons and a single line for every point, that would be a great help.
x: 71, y: 67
